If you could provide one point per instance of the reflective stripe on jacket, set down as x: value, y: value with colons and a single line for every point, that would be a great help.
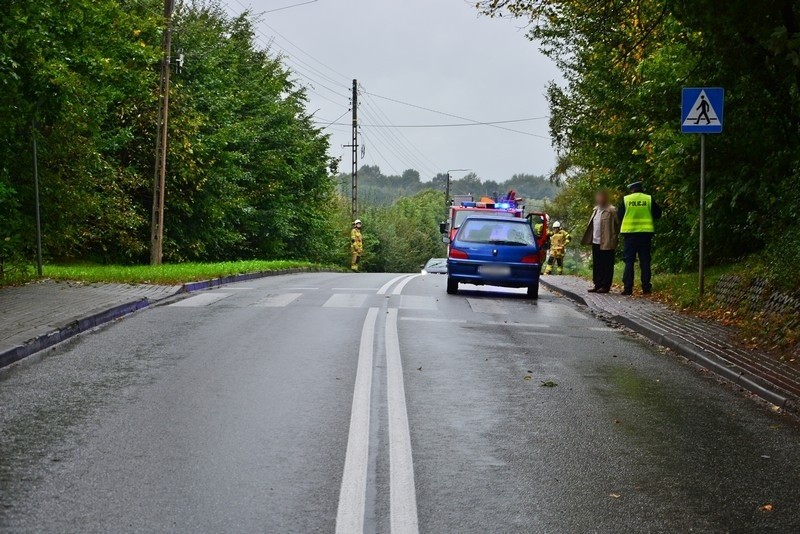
x: 638, y: 214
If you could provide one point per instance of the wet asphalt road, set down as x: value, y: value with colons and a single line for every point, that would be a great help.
x: 309, y: 402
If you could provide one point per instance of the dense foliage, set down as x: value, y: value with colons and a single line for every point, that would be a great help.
x: 247, y: 170
x: 616, y: 117
x: 376, y: 188
x: 403, y: 236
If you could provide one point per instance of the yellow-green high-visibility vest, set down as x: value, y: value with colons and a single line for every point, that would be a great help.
x: 638, y: 214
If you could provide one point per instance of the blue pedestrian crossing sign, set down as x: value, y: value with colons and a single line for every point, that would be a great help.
x: 702, y: 110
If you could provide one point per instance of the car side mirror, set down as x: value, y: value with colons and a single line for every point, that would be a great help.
x: 446, y: 239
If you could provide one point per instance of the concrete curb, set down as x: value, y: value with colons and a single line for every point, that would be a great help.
x: 752, y: 383
x: 94, y: 319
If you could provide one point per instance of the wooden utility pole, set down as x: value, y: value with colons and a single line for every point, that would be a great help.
x: 160, y: 175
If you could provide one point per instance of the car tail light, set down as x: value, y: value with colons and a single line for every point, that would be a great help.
x: 458, y: 254
x: 531, y: 258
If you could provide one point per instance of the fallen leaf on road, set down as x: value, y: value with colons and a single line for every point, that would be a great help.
x: 617, y: 422
x: 419, y: 368
x: 774, y: 427
x: 527, y: 377
x: 766, y: 456
x: 766, y: 508
x: 614, y: 495
x: 549, y: 384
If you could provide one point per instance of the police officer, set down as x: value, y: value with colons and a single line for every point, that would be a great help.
x: 559, y: 240
x: 638, y: 213
x: 356, y: 245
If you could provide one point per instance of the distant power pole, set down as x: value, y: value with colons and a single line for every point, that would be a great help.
x: 354, y: 147
x: 160, y: 174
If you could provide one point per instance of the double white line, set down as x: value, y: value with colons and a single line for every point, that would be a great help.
x: 402, y: 494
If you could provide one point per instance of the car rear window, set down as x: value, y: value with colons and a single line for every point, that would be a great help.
x: 513, y: 232
x: 436, y: 262
x: 461, y: 215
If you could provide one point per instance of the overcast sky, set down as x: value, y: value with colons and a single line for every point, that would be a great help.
x: 437, y: 54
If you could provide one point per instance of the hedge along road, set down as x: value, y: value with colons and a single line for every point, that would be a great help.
x: 376, y: 403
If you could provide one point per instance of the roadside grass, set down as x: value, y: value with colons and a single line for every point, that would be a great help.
x: 167, y: 274
x: 13, y: 274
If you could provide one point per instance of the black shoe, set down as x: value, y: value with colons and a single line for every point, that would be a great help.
x: 647, y: 291
x: 603, y: 290
x: 627, y: 293
x: 594, y: 290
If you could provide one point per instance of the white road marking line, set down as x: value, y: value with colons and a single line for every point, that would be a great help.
x: 414, y: 302
x: 353, y: 492
x: 399, y: 289
x: 524, y: 325
x: 300, y: 288
x: 402, y: 493
x: 464, y: 321
x: 228, y: 288
x: 354, y: 288
x: 385, y: 287
x: 487, y: 306
x: 278, y: 301
x: 433, y: 320
x: 545, y: 334
x: 602, y: 329
x: 345, y: 300
x: 203, y: 299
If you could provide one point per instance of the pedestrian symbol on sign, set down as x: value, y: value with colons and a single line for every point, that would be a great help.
x: 701, y: 110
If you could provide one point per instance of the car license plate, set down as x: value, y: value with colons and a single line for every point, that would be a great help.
x: 494, y: 270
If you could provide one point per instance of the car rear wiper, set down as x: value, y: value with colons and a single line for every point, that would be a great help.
x: 512, y: 243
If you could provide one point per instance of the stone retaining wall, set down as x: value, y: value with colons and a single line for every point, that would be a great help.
x: 758, y: 297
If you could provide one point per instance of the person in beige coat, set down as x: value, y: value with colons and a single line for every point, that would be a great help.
x: 602, y: 233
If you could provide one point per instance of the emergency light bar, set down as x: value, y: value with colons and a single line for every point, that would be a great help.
x: 487, y: 205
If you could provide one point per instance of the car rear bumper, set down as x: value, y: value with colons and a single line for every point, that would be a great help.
x: 466, y: 272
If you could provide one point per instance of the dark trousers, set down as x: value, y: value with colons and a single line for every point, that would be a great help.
x: 637, y: 245
x: 602, y: 267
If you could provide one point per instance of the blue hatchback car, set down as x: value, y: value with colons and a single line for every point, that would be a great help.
x: 497, y: 251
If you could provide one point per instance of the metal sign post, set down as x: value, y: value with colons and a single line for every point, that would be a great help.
x: 702, y: 113
x: 702, y: 271
x: 36, y: 200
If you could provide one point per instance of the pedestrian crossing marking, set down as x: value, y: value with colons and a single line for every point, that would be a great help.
x: 414, y: 302
x: 203, y: 299
x: 487, y: 306
x: 278, y: 301
x: 345, y: 300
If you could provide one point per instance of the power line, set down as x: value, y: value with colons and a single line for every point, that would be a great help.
x: 291, y: 6
x: 331, y: 123
x: 374, y: 147
x: 269, y: 42
x: 397, y: 151
x: 454, y: 116
x: 453, y: 125
x: 276, y: 32
x: 370, y: 103
x: 402, y: 152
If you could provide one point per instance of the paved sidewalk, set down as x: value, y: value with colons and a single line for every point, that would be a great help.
x: 709, y: 344
x: 42, y: 310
